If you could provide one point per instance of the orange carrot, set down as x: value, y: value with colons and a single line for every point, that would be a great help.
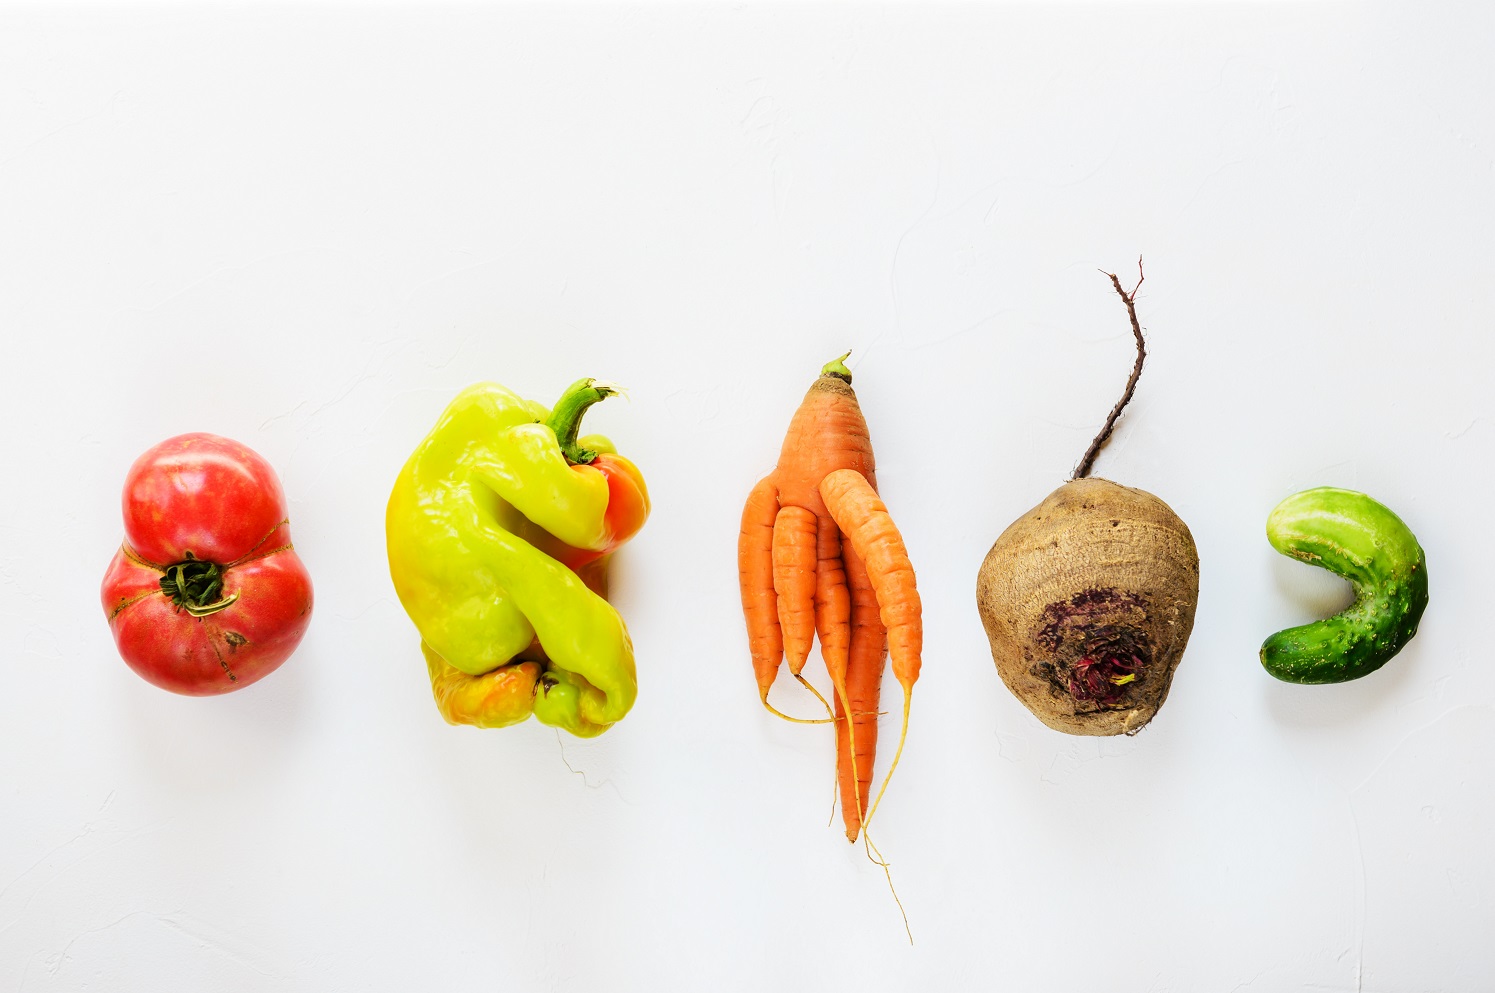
x: 863, y: 518
x: 826, y: 433
x: 860, y: 687
x: 794, y: 574
x: 791, y: 550
x: 832, y: 603
x: 755, y: 576
x: 791, y: 554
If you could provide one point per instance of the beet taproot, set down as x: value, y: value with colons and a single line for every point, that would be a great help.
x: 1089, y: 598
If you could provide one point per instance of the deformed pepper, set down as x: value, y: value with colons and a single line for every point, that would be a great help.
x: 499, y: 531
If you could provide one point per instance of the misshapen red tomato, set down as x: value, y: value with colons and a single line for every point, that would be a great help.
x: 206, y: 595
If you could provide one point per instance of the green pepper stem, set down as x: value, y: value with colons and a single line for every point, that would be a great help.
x: 565, y: 417
x: 837, y: 368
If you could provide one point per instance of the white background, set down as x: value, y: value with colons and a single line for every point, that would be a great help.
x: 306, y: 228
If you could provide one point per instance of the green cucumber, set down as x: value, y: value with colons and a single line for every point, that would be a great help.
x: 1360, y: 539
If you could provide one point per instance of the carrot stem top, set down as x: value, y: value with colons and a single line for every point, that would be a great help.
x: 837, y: 367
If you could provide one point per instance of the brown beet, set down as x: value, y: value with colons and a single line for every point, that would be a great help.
x: 1088, y: 599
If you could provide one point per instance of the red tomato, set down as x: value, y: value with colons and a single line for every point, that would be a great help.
x: 206, y: 595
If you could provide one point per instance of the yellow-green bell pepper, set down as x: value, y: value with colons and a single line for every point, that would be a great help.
x: 499, y: 530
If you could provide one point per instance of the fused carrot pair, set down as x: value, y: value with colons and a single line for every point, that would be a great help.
x: 818, y: 554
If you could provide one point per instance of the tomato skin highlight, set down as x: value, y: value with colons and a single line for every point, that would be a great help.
x: 200, y: 493
x: 204, y: 499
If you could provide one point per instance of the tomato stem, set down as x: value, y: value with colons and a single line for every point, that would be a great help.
x: 193, y: 585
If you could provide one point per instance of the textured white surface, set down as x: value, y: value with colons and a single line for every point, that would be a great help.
x: 306, y: 229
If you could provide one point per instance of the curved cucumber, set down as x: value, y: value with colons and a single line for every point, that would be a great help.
x: 1352, y: 536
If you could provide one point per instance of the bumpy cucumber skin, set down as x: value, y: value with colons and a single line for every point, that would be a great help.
x: 1360, y: 539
